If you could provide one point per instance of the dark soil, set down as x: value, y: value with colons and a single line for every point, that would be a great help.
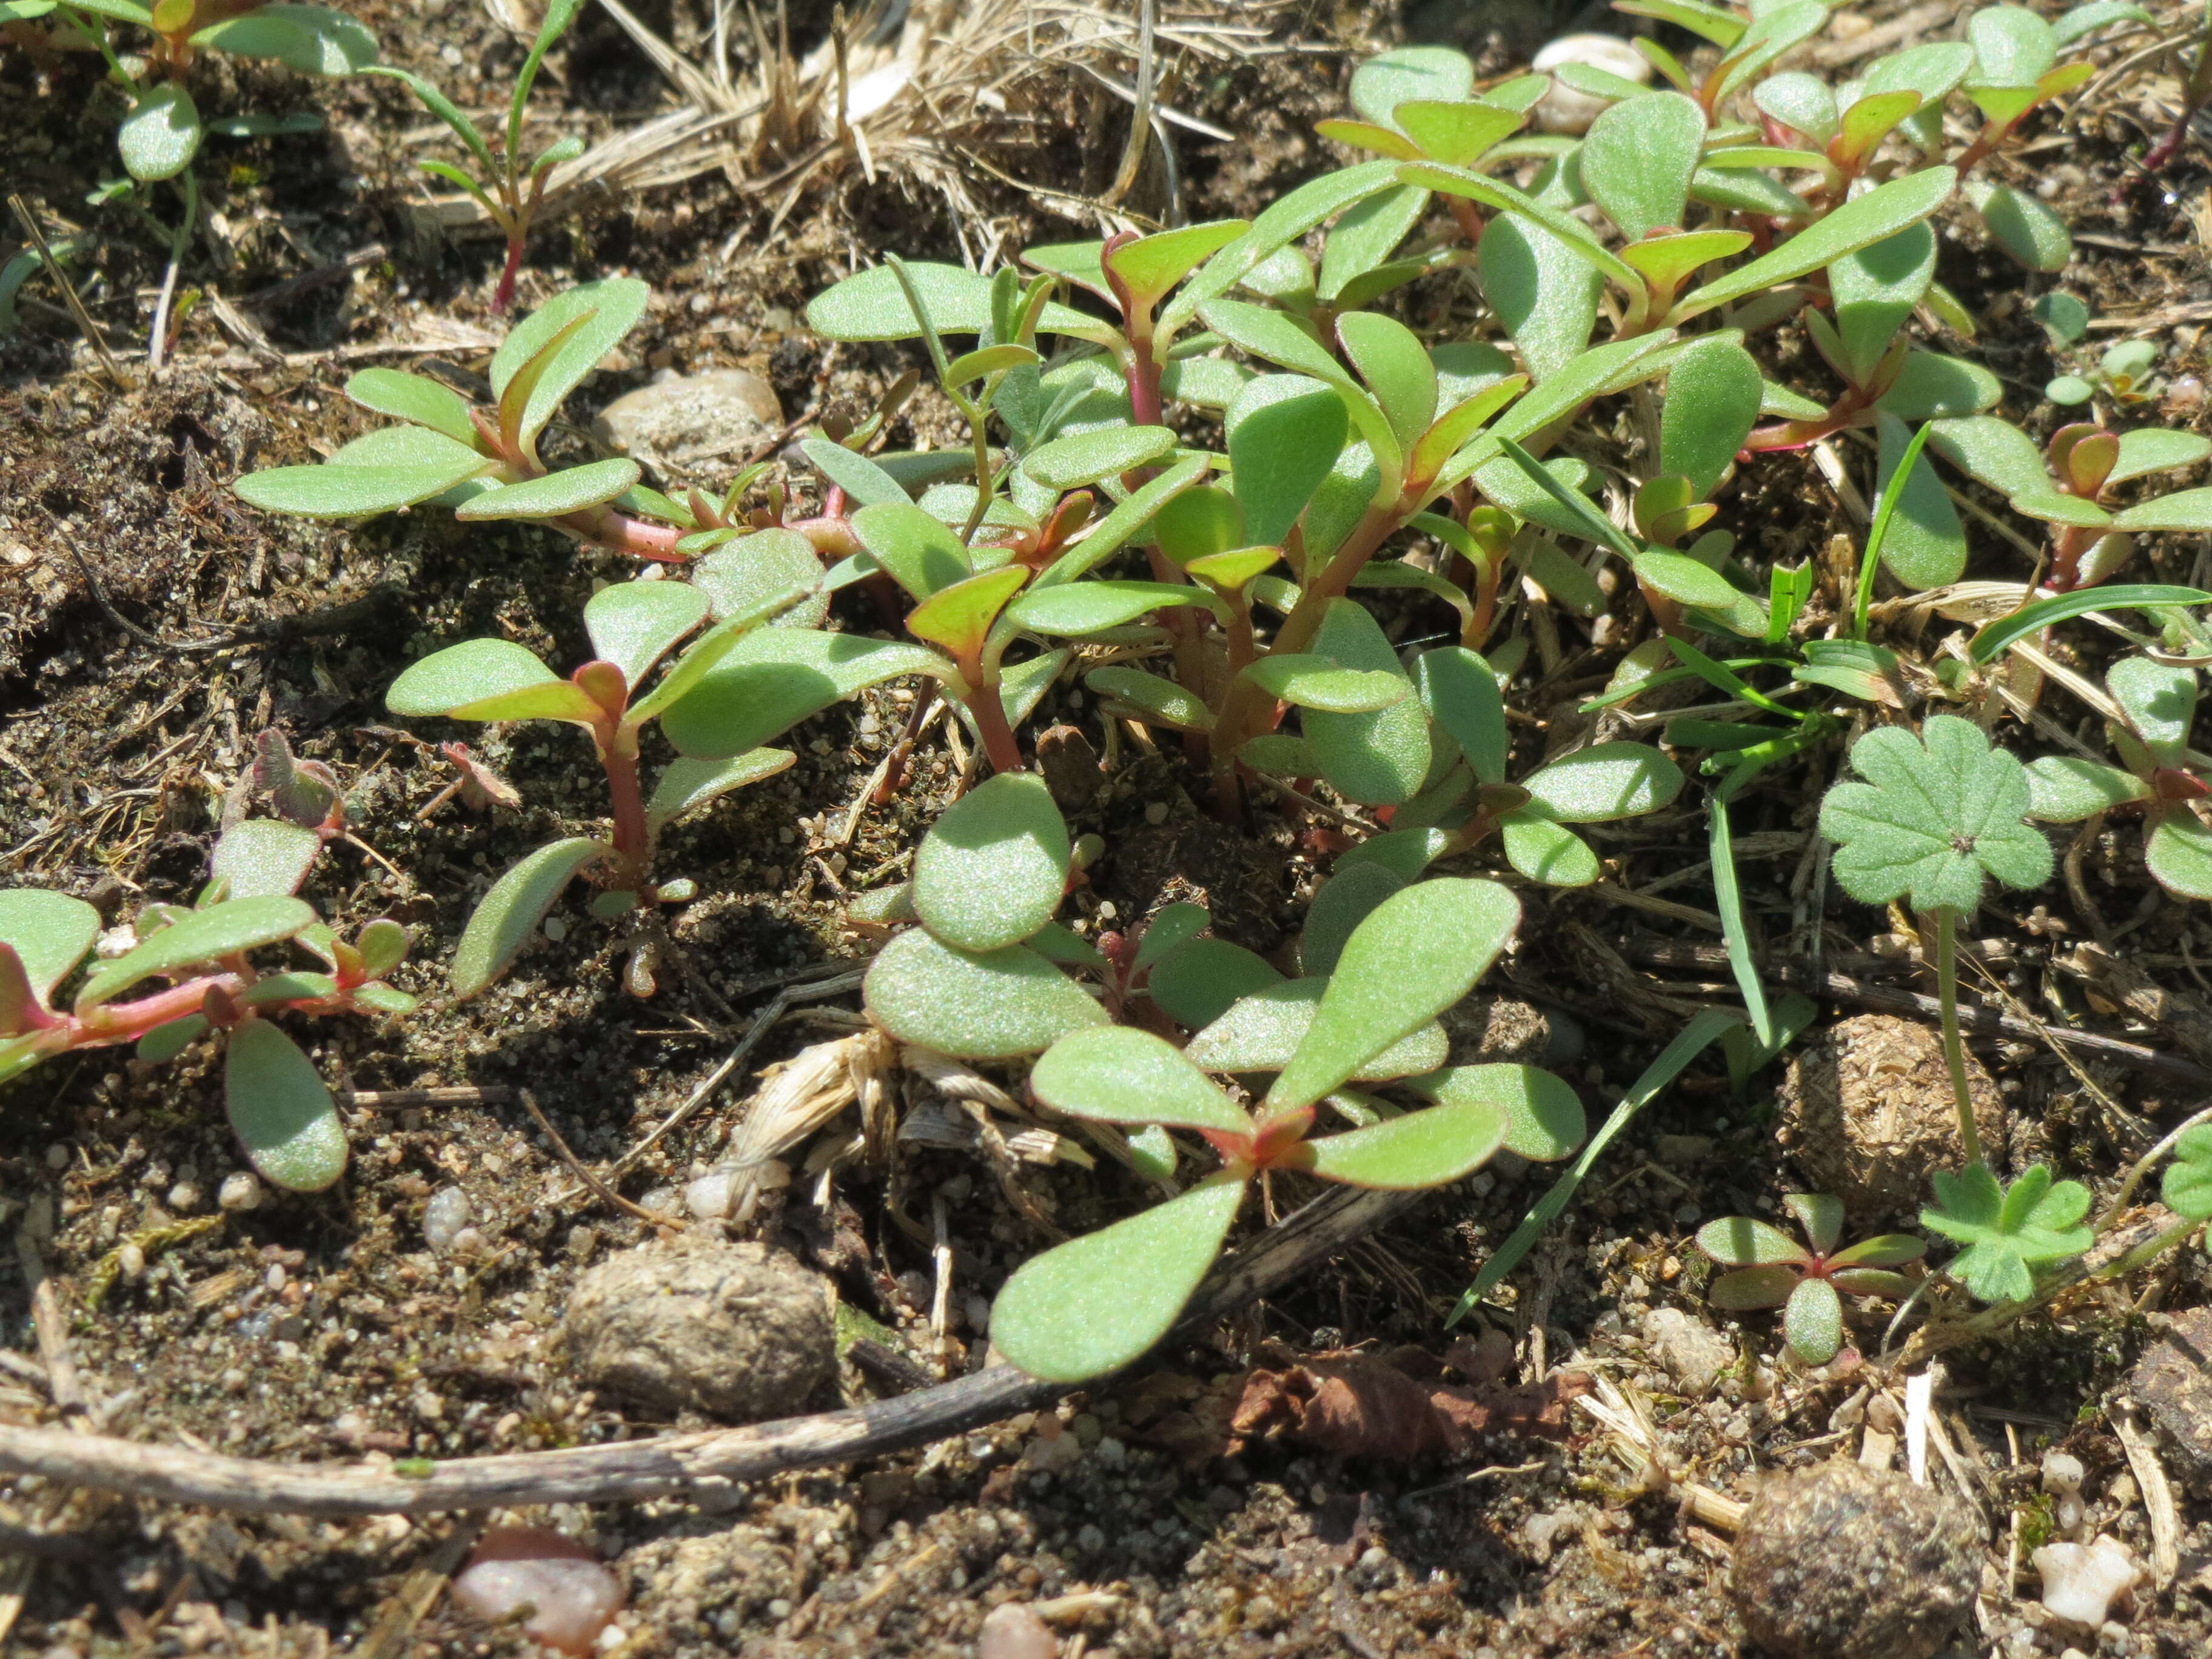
x: 325, y: 1327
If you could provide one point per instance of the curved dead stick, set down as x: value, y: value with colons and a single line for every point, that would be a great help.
x: 670, y: 1465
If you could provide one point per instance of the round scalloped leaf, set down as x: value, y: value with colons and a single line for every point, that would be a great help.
x: 161, y: 135
x: 472, y: 671
x: 2187, y: 1184
x: 1547, y: 852
x: 261, y: 856
x: 2179, y: 854
x: 1095, y: 1304
x: 510, y: 913
x: 1198, y: 981
x: 1544, y: 1117
x: 282, y: 1113
x: 1426, y: 1148
x: 994, y: 868
x: 1118, y: 1074
x: 996, y: 1006
x: 197, y: 937
x: 1605, y: 782
x: 1812, y: 1321
x: 1416, y: 953
x: 50, y: 934
x: 632, y: 625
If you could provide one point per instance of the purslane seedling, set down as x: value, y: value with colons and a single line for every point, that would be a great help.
x: 1808, y: 1282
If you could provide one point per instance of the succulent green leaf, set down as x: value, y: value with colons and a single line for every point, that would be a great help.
x: 2153, y: 449
x: 1746, y: 1288
x: 160, y: 134
x: 1096, y: 1302
x: 1933, y: 818
x: 2007, y: 1230
x: 2071, y: 25
x: 569, y: 491
x: 1637, y: 160
x: 1875, y: 289
x: 1234, y: 571
x: 282, y: 1110
x: 753, y: 570
x: 197, y: 937
x: 2159, y: 700
x: 1717, y: 24
x: 1544, y: 292
x: 259, y: 857
x: 50, y: 933
x: 1993, y: 451
x: 383, y: 946
x: 1198, y: 981
x: 1460, y: 694
x: 864, y: 482
x: 870, y: 305
x: 1088, y: 457
x: 1170, y: 928
x: 633, y: 624
x: 1774, y: 30
x: 994, y: 867
x: 1427, y: 1148
x: 1282, y: 222
x: 614, y: 305
x: 959, y: 618
x: 313, y: 39
x: 1341, y: 904
x: 1713, y: 393
x: 1544, y: 1118
x: 2188, y: 510
x: 1156, y: 699
x: 1286, y: 432
x: 1416, y: 954
x: 350, y: 490
x: 1073, y: 609
x: 1151, y: 265
x: 686, y: 785
x: 273, y: 988
x: 479, y: 674
x: 1860, y: 222
x: 1307, y: 681
x: 1361, y: 241
x: 1812, y: 1321
x: 2187, y: 1185
x: 416, y: 398
x: 1380, y: 758
x: 1547, y: 851
x: 1118, y: 1074
x: 510, y: 913
x: 1456, y: 132
x: 1805, y: 103
x: 2178, y: 854
x: 1821, y: 1216
x: 1889, y: 1250
x: 1740, y: 1241
x: 2013, y: 47
x: 165, y: 1043
x: 2065, y: 789
x: 1568, y: 230
x: 1107, y: 537
x: 1431, y: 74
x: 1262, y: 1031
x: 998, y: 1005
x: 922, y: 554
x: 1391, y: 359
x: 1605, y: 782
x: 1924, y: 545
x: 2023, y: 226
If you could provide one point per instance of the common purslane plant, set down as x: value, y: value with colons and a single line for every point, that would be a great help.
x: 1807, y: 1281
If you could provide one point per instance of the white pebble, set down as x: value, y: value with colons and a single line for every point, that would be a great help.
x: 713, y: 1195
x: 184, y: 1197
x: 444, y: 1219
x: 575, y: 1598
x: 240, y: 1190
x: 555, y: 929
x: 1012, y: 1630
x: 1564, y: 110
x: 2081, y: 1581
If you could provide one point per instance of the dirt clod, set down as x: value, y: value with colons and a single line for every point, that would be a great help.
x: 1866, y: 1113
x: 1694, y: 1353
x: 2173, y: 1380
x: 728, y: 1330
x: 1847, y: 1562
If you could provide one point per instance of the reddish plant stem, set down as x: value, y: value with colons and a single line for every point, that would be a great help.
x: 633, y: 839
x: 2067, y: 548
x: 127, y: 1021
x: 503, y: 296
x: 1469, y: 220
x: 603, y: 526
x: 990, y: 715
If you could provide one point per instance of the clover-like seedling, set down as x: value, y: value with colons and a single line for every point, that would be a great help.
x: 484, y: 463
x: 2159, y: 704
x: 280, y: 1109
x: 1935, y: 817
x: 632, y: 627
x: 1808, y: 1282
x: 2090, y: 540
x: 509, y: 188
x: 2124, y: 374
x: 2186, y: 1187
x: 2009, y: 1231
x: 1096, y: 1302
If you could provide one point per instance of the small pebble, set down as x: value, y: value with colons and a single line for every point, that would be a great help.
x: 444, y: 1218
x: 1012, y: 1630
x: 1564, y: 110
x: 240, y: 1190
x: 575, y: 1597
x: 2081, y: 1581
x: 711, y: 1196
x: 184, y: 1197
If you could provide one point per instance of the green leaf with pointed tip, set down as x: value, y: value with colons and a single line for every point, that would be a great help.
x: 870, y: 305
x: 50, y: 934
x: 1543, y: 291
x: 1821, y: 1216
x: 569, y: 491
x: 280, y: 1110
x: 1457, y: 132
x: 1605, y: 782
x: 999, y: 1005
x: 1875, y: 289
x: 1286, y: 432
x: 2178, y: 852
x: 1394, y: 364
x: 1434, y: 73
x: 263, y: 856
x: 1667, y: 261
x: 1746, y: 1288
x: 1151, y: 265
x: 920, y: 554
x: 1460, y: 692
x: 1088, y: 457
x: 1713, y: 393
x: 1080, y: 263
x: 1361, y: 242
x: 2160, y: 700
x: 1198, y: 981
x: 2188, y: 510
x: 1284, y: 221
x: 1415, y: 955
x: 1932, y: 818
x: 475, y: 672
x: 1341, y: 904
x: 633, y: 624
x: 2152, y: 449
x: 165, y: 1043
x: 959, y: 618
x: 1117, y: 1074
x: 2028, y: 231
x: 994, y: 868
x: 1429, y: 1148
x: 866, y: 483
x: 1740, y: 1241
x: 1860, y: 222
x: 1378, y: 759
x: 686, y: 785
x: 1232, y: 572
x: 414, y: 398
x: 1096, y: 1303
x: 2064, y: 789
x: 1804, y: 103
x: 617, y: 304
x: 1870, y: 120
x: 1263, y: 1031
x: 1924, y: 545
x: 2007, y: 1230
x: 2187, y: 1185
x: 160, y: 134
x: 1544, y: 850
x: 1161, y: 701
x: 510, y: 913
x: 1812, y: 1321
x: 1637, y: 160
x: 313, y: 39
x: 197, y: 937
x: 1307, y: 681
x: 1993, y: 637
x: 1078, y: 608
x: 1364, y: 135
x: 1993, y: 451
x: 1544, y: 1119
